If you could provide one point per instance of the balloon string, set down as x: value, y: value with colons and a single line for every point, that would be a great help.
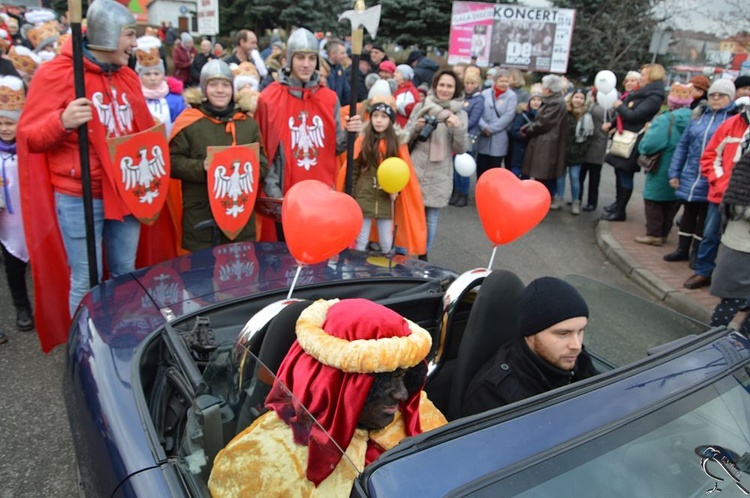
x: 393, y: 223
x: 492, y: 259
x: 294, y: 282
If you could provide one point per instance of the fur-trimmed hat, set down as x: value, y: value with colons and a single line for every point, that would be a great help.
x: 147, y: 55
x: 12, y: 97
x: 43, y: 30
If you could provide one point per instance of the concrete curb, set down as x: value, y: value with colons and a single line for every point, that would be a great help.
x: 646, y: 279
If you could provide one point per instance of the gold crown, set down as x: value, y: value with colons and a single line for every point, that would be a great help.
x: 42, y: 32
x: 245, y: 69
x: 22, y: 62
x: 11, y: 100
x: 148, y: 59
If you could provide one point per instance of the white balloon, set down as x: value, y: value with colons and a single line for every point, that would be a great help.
x: 605, y: 81
x: 465, y: 164
x: 606, y: 100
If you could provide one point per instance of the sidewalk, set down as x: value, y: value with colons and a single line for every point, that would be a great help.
x: 644, y: 264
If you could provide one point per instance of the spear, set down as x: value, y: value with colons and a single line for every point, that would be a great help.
x: 360, y: 18
x: 74, y: 6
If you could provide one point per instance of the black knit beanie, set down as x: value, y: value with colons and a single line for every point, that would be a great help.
x: 547, y: 301
x: 742, y: 81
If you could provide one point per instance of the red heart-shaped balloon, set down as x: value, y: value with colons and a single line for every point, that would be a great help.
x: 318, y: 221
x: 509, y: 207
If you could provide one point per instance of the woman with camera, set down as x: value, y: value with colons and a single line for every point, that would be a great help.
x: 437, y: 129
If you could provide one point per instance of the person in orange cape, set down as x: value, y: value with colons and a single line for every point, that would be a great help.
x: 378, y: 142
x: 51, y: 187
x: 214, y: 120
x: 359, y: 368
x: 300, y: 123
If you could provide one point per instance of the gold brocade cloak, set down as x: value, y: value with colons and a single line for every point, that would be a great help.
x: 263, y: 460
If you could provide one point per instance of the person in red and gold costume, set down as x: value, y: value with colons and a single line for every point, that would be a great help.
x: 300, y: 123
x: 51, y: 185
x: 359, y: 369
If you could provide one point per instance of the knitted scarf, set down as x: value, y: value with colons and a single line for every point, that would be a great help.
x: 158, y: 93
x: 440, y: 140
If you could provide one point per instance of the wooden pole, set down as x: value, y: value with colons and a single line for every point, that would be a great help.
x: 74, y: 6
x: 357, y: 42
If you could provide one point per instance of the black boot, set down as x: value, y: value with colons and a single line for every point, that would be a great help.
x: 454, y: 198
x: 611, y: 207
x: 694, y: 252
x: 462, y: 201
x: 682, y: 253
x: 623, y: 196
x: 24, y: 320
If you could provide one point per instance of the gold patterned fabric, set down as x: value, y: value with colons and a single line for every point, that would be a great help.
x: 264, y: 460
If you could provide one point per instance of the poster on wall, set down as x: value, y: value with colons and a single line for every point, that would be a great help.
x: 514, y: 36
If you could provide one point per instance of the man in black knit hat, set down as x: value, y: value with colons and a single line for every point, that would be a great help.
x: 547, y: 354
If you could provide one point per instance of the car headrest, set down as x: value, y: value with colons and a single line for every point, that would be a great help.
x: 493, y: 321
x: 280, y: 335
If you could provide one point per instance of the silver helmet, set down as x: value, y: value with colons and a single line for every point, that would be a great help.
x: 302, y: 40
x: 105, y: 20
x: 214, y: 69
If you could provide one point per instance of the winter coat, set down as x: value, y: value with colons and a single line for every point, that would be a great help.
x: 361, y: 88
x: 424, y: 71
x: 598, y: 143
x: 339, y: 83
x: 406, y: 96
x: 518, y: 141
x: 638, y: 108
x: 187, y: 149
x: 181, y: 59
x: 474, y: 107
x: 436, y: 177
x: 663, y: 135
x: 545, y: 154
x: 721, y: 154
x: 685, y: 163
x: 372, y: 199
x: 575, y: 151
x: 497, y: 116
x: 515, y: 373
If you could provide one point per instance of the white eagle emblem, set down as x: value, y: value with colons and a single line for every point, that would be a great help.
x: 164, y: 290
x: 116, y: 118
x: 306, y: 140
x: 144, y: 178
x: 236, y: 186
x: 236, y: 269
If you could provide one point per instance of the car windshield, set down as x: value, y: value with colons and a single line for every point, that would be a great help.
x: 241, y: 395
x: 621, y: 324
x: 692, y: 447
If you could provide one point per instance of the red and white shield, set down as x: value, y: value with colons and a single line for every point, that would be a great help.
x: 140, y: 167
x: 233, y: 175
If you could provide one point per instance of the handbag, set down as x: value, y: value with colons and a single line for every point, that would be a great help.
x: 650, y: 162
x: 622, y: 143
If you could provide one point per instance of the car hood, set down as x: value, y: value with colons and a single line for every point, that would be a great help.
x: 235, y: 271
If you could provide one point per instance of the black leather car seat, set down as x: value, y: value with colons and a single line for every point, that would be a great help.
x: 493, y: 321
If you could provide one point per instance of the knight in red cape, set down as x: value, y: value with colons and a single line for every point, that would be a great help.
x: 359, y: 368
x: 51, y: 186
x: 300, y: 123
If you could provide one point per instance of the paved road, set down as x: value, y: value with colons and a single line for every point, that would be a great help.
x: 35, y: 444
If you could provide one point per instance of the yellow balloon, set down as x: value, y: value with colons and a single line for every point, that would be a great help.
x: 393, y: 175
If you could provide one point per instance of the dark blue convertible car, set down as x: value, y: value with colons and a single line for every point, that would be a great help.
x: 166, y: 365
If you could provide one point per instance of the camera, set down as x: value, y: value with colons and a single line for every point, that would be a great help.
x: 430, y: 123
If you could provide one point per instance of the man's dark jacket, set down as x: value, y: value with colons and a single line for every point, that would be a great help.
x: 424, y: 71
x: 339, y: 83
x: 515, y: 373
